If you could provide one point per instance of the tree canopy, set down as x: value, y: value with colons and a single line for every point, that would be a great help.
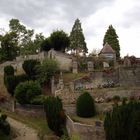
x: 112, y: 39
x: 58, y: 40
x: 19, y: 41
x: 77, y: 39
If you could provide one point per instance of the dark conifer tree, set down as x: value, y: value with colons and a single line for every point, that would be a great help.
x: 112, y: 39
x: 77, y: 39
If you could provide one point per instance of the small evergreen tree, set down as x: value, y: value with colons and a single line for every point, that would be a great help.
x: 123, y: 122
x: 8, y: 70
x: 85, y: 105
x: 112, y: 39
x: 77, y: 39
x: 54, y: 114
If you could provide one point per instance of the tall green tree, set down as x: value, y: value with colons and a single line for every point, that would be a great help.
x: 8, y: 50
x: 58, y: 40
x: 25, y: 36
x: 77, y: 39
x: 112, y: 39
x: 46, y: 44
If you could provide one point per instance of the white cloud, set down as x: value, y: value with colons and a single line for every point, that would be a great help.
x: 95, y: 15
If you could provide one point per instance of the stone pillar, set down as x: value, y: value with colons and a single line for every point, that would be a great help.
x: 75, y: 67
x: 90, y: 66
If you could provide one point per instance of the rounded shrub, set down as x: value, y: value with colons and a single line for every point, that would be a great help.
x: 25, y: 92
x: 85, y: 105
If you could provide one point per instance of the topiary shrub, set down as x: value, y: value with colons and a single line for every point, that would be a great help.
x: 30, y: 68
x: 85, y: 105
x: 55, y: 114
x: 25, y: 92
x: 8, y: 70
x: 10, y: 83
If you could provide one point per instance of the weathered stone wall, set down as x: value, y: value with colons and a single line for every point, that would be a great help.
x: 25, y: 110
x: 86, y: 132
x: 129, y: 76
x: 17, y: 63
x: 65, y: 63
x: 64, y: 60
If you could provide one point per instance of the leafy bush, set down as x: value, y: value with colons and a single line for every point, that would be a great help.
x: 85, y: 105
x: 25, y: 92
x: 123, y: 122
x: 54, y: 114
x: 30, y: 67
x: 48, y: 68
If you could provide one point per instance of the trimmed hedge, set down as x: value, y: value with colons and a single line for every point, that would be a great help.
x: 85, y: 105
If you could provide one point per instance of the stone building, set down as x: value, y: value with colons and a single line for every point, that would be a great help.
x: 64, y: 60
x: 107, y: 53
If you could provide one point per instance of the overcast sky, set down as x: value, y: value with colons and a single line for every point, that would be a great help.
x: 95, y: 15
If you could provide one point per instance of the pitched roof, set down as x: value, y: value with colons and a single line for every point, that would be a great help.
x: 107, y: 49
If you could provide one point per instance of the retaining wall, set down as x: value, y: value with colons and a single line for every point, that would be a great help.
x: 86, y: 132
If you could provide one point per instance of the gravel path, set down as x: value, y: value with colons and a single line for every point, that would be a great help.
x: 23, y: 132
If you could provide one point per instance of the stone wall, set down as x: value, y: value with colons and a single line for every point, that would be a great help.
x: 17, y: 63
x: 25, y: 110
x: 86, y: 132
x: 64, y: 60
